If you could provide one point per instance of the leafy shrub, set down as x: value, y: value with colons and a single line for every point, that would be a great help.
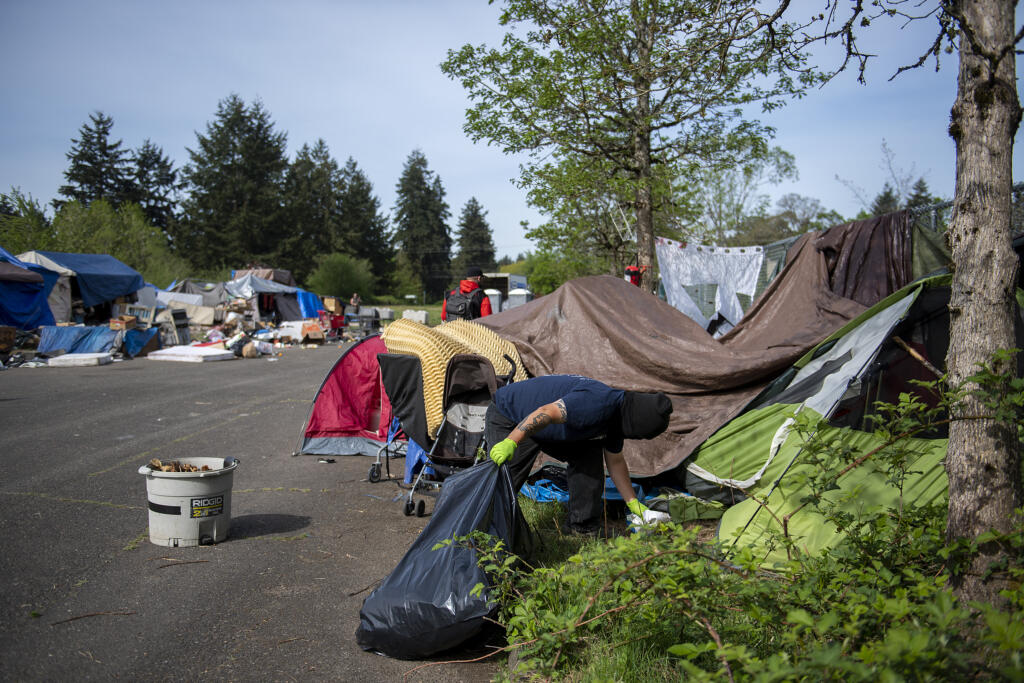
x: 661, y: 605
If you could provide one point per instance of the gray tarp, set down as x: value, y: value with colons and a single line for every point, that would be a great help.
x: 605, y: 328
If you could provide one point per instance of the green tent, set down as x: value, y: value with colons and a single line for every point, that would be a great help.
x: 758, y: 462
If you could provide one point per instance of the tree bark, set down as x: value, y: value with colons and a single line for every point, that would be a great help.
x: 983, y: 458
x: 643, y: 203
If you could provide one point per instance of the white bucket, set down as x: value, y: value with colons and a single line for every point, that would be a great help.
x: 190, y: 508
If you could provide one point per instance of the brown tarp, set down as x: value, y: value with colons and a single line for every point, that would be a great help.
x: 608, y: 329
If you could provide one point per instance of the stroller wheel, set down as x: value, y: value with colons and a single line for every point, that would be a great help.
x: 408, y: 508
x: 419, y: 508
x: 374, y: 475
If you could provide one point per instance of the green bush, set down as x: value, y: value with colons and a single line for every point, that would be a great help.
x: 662, y: 605
x: 339, y: 275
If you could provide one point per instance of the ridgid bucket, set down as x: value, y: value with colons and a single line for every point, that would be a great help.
x: 190, y: 508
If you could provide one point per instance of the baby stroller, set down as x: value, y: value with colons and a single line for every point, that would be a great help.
x: 469, y: 384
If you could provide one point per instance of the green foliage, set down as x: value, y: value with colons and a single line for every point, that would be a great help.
x: 546, y: 271
x: 730, y: 194
x: 660, y: 605
x: 474, y: 240
x: 153, y: 185
x: 312, y: 195
x: 629, y: 93
x: 341, y: 274
x: 24, y: 225
x: 124, y: 233
x: 233, y: 213
x: 364, y: 230
x: 99, y: 168
x: 421, y: 228
x: 404, y: 280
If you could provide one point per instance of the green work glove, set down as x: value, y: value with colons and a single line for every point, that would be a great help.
x: 502, y: 451
x: 637, y: 508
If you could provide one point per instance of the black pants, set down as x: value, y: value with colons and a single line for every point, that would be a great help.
x: 584, y: 467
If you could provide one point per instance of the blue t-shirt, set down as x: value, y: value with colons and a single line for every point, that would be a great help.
x: 591, y: 408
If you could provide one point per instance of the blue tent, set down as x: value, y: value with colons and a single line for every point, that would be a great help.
x: 100, y: 277
x: 23, y: 291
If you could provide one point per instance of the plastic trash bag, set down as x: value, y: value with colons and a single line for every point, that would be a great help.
x: 424, y: 606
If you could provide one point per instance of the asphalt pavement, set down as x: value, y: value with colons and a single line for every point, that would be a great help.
x: 86, y: 595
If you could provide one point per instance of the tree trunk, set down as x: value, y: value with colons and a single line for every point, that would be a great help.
x: 643, y: 203
x: 983, y: 459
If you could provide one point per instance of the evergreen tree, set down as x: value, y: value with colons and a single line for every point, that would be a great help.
x: 313, y: 190
x: 475, y: 241
x: 887, y: 201
x: 364, y: 231
x: 99, y: 168
x: 234, y: 212
x: 421, y: 230
x: 920, y: 197
x: 153, y: 184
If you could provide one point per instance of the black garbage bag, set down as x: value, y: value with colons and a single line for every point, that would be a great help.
x: 424, y: 606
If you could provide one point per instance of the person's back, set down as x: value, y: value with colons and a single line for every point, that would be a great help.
x: 468, y: 301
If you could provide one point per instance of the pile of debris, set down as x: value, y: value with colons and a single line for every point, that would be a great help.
x: 174, y: 466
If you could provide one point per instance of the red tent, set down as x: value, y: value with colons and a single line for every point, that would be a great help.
x: 350, y: 413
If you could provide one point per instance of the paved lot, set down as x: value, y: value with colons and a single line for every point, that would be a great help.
x: 86, y: 596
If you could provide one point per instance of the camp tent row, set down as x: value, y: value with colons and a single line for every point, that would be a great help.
x: 39, y: 287
x: 849, y: 318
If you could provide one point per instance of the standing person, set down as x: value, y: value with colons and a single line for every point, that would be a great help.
x: 468, y: 301
x: 577, y: 420
x: 356, y: 301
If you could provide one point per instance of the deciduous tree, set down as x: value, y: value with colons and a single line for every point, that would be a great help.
x: 637, y: 84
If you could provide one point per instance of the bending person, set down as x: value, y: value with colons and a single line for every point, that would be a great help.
x: 581, y: 422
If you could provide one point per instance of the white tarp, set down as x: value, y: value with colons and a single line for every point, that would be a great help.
x: 249, y: 285
x: 733, y: 269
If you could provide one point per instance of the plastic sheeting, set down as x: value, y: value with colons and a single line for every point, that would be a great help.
x: 309, y: 304
x: 425, y: 605
x: 23, y: 291
x: 733, y: 269
x: 100, y: 277
x: 248, y: 286
x: 135, y: 340
x: 77, y: 339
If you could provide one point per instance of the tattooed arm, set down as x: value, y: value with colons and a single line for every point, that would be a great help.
x: 552, y: 413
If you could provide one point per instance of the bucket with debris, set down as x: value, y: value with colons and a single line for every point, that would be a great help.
x: 189, y: 500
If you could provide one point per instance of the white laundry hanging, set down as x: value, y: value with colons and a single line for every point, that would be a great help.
x: 733, y: 269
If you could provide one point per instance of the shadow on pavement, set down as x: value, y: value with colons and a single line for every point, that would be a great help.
x: 252, y: 526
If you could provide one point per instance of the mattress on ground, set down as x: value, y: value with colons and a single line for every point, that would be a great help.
x: 191, y: 354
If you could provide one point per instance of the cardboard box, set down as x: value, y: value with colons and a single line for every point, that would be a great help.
x: 122, y: 322
x: 7, y: 337
x: 333, y: 305
x: 312, y: 332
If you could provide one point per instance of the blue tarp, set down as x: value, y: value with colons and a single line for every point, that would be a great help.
x: 23, y: 303
x: 101, y: 277
x: 135, y: 340
x: 309, y: 304
x: 76, y: 339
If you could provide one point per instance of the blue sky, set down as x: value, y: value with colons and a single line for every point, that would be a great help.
x: 364, y: 77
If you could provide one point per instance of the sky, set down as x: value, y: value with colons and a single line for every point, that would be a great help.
x: 364, y: 77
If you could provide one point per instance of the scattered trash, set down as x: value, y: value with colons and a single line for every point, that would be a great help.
x: 324, y: 460
x: 370, y: 495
